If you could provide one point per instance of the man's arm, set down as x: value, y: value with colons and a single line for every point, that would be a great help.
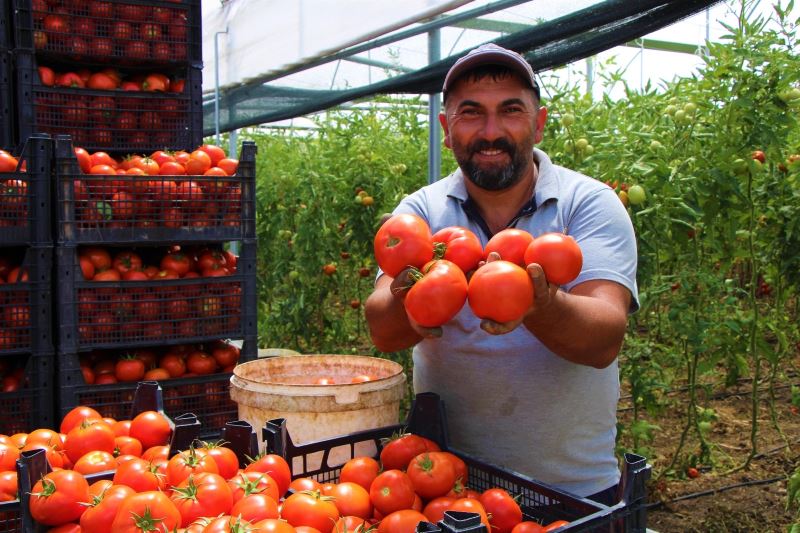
x: 388, y: 322
x: 585, y: 326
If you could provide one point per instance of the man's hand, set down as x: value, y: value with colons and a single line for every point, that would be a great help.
x: 399, y: 288
x: 543, y: 294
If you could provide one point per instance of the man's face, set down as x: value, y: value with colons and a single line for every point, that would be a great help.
x: 491, y: 124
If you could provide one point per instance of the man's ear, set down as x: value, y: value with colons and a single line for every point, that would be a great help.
x: 541, y: 119
x: 443, y: 122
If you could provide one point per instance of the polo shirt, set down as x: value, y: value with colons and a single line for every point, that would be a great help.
x: 509, y: 400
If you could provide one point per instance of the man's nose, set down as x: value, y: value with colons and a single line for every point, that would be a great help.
x: 492, y: 126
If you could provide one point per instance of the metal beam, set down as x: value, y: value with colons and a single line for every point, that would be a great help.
x: 380, y: 64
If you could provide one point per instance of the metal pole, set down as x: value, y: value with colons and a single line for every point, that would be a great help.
x: 216, y: 82
x: 434, y: 108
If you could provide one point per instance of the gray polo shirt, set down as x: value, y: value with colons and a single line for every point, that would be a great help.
x: 509, y: 399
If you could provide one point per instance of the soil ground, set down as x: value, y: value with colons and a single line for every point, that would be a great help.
x: 724, y: 497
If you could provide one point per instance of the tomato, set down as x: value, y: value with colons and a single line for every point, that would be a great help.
x: 129, y: 369
x: 351, y: 524
x: 434, y: 509
x: 501, y: 291
x: 59, y: 498
x: 460, y: 467
x: 89, y: 436
x: 225, y: 354
x: 99, y: 257
x: 528, y: 526
x: 199, y: 162
x: 312, y: 509
x: 187, y: 463
x: 472, y: 505
x: 146, y: 511
x: 76, y: 416
x: 103, y: 509
x: 8, y: 163
x: 397, y: 453
x: 402, y: 521
x: 432, y: 474
x: 205, y: 494
x: 552, y: 526
x: 272, y: 525
x: 124, y: 445
x: 225, y: 458
x: 215, y: 153
x: 403, y: 240
x: 139, y: 474
x: 559, y: 256
x: 95, y: 461
x: 255, y: 507
x: 87, y: 267
x: 172, y: 168
x: 177, y: 262
x: 9, y: 454
x: 47, y: 437
x: 351, y: 499
x: 391, y: 491
x: 503, y: 510
x: 361, y: 470
x: 156, y: 374
x: 511, y: 244
x: 758, y: 155
x: 228, y: 165
x: 461, y: 246
x: 274, y: 465
x: 201, y: 363
x: 173, y: 364
x: 8, y: 485
x: 47, y: 77
x: 304, y: 483
x: 101, y: 81
x: 438, y: 295
x: 151, y: 428
x: 247, y: 483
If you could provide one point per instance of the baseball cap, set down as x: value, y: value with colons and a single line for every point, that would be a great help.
x: 491, y: 54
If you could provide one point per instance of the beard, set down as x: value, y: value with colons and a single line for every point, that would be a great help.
x: 493, y: 177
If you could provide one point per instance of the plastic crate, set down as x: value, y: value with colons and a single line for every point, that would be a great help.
x: 159, y: 209
x: 31, y: 406
x: 207, y: 397
x: 540, y: 502
x: 119, y: 32
x: 115, y: 121
x: 26, y: 305
x: 25, y: 207
x: 6, y: 104
x: 97, y: 315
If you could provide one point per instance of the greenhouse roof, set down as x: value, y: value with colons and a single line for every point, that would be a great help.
x: 279, y: 60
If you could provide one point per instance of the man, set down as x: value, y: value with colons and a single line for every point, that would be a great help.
x: 539, y: 395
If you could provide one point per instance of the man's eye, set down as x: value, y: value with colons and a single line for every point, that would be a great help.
x: 469, y: 112
x: 513, y: 110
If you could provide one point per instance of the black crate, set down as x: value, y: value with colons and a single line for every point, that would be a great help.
x: 30, y: 406
x: 6, y: 105
x: 156, y: 209
x: 207, y: 397
x: 99, y: 315
x: 114, y: 121
x: 26, y: 304
x: 540, y: 502
x: 25, y: 206
x: 118, y: 32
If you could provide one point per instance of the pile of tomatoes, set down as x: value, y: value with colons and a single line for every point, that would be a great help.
x: 149, y: 191
x: 110, y: 79
x: 450, y: 268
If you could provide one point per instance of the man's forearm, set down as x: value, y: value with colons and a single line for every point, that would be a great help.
x: 387, y: 320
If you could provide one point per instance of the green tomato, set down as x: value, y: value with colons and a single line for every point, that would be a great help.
x: 680, y: 116
x: 636, y: 195
x: 690, y: 108
x: 358, y: 199
x: 739, y: 166
x: 568, y: 119
x: 589, y: 150
x: 655, y: 145
x: 670, y: 110
x: 294, y: 274
x: 581, y: 144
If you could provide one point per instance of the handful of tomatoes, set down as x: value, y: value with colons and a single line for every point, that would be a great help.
x: 442, y: 263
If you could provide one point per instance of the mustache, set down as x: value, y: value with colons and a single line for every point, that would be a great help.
x: 498, y: 144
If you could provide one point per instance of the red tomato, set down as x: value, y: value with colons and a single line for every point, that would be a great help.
x: 403, y: 521
x: 438, y: 295
x: 304, y: 483
x: 273, y: 525
x: 351, y: 499
x: 99, y: 257
x: 255, y: 507
x: 402, y: 241
x: 559, y: 256
x: 225, y: 458
x: 274, y: 465
x: 247, y: 483
x: 95, y: 461
x: 225, y: 354
x: 461, y: 246
x: 76, y: 416
x: 84, y: 160
x: 361, y: 470
x: 434, y: 510
x: 129, y: 369
x: 504, y: 511
x: 552, y: 526
x: 146, y: 511
x: 501, y: 291
x: 432, y: 474
x: 151, y: 428
x: 397, y: 453
x: 199, y: 495
x: 528, y: 526
x: 91, y: 435
x: 104, y: 508
x: 215, y: 153
x: 139, y: 474
x: 8, y: 485
x: 511, y: 244
x: 462, y: 473
x: 187, y: 463
x: 391, y: 491
x: 472, y: 505
x: 124, y: 445
x: 310, y: 509
x: 59, y: 498
x: 177, y: 262
x: 9, y: 454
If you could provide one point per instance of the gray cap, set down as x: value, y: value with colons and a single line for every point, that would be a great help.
x: 491, y: 54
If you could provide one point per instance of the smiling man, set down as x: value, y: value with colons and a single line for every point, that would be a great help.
x: 537, y: 395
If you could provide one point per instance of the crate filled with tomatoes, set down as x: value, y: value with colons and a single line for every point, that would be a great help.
x: 128, y: 32
x: 194, y: 378
x: 25, y: 300
x: 200, y: 195
x: 111, y: 108
x: 414, y: 476
x: 26, y: 393
x: 112, y: 297
x: 25, y: 207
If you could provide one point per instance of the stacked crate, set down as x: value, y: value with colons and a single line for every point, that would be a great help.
x: 26, y: 257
